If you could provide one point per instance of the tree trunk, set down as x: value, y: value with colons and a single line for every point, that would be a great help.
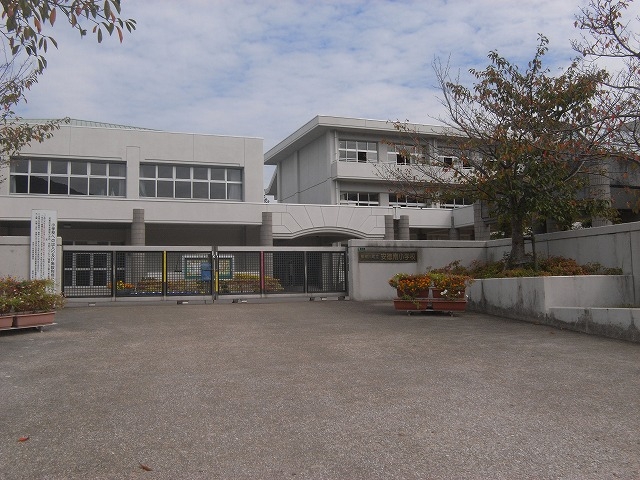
x: 517, y: 256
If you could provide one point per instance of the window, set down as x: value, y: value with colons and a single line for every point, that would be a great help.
x: 405, y: 155
x: 359, y: 199
x: 454, y: 202
x: 184, y: 181
x: 67, y: 177
x: 396, y: 200
x: 358, y: 151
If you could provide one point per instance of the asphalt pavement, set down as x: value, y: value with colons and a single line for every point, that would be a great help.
x: 313, y: 390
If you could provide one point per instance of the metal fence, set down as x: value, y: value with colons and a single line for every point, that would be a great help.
x: 148, y: 272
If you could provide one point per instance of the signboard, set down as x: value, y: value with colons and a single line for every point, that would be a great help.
x: 44, y: 230
x: 387, y: 257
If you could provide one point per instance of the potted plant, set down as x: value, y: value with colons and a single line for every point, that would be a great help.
x: 34, y: 302
x: 449, y: 291
x: 412, y: 290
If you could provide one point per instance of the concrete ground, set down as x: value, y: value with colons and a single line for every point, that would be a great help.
x: 316, y: 390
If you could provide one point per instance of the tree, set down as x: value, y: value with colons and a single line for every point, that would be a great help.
x: 526, y: 143
x: 25, y: 46
x: 611, y: 37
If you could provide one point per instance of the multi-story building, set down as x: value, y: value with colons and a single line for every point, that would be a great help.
x: 117, y: 185
x: 343, y: 161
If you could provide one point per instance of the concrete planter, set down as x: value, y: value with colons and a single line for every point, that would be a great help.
x: 22, y: 320
x: 562, y: 302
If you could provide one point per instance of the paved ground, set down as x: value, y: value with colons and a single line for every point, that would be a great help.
x: 335, y: 390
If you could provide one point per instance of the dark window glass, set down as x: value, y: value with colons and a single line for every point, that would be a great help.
x: 183, y: 172
x: 116, y: 187
x: 235, y: 191
x: 117, y: 170
x: 183, y: 189
x: 200, y: 190
x: 165, y: 171
x: 59, y: 167
x: 201, y: 173
x: 234, y: 175
x: 217, y: 174
x: 99, y: 169
x: 39, y: 166
x: 147, y: 188
x: 98, y: 186
x: 19, y: 184
x: 165, y: 189
x: 78, y: 186
x: 19, y: 165
x: 218, y: 191
x: 79, y: 168
x: 38, y: 184
x: 148, y: 171
x: 59, y: 185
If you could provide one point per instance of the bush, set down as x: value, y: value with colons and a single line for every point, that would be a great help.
x: 28, y: 296
x: 555, y: 265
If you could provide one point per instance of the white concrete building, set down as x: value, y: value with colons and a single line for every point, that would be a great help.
x: 118, y: 185
x: 340, y: 161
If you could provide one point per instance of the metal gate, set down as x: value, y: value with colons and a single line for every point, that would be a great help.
x: 199, y: 271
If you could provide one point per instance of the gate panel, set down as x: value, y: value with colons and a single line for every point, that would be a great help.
x: 239, y: 272
x: 86, y: 274
x: 139, y: 274
x: 188, y: 273
x: 326, y: 272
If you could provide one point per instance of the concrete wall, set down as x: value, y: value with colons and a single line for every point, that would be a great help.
x: 611, y: 246
x: 135, y: 146
x: 591, y: 304
x: 368, y: 281
x: 15, y: 255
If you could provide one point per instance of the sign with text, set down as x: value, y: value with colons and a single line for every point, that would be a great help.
x: 387, y: 257
x: 44, y: 230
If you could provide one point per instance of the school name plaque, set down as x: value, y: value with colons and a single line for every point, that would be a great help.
x: 387, y: 257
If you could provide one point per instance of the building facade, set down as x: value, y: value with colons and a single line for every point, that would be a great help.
x: 118, y: 185
x: 342, y: 161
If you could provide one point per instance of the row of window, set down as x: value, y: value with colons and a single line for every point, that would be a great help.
x: 365, y: 199
x: 367, y: 152
x: 173, y: 181
x: 63, y: 177
x: 108, y: 179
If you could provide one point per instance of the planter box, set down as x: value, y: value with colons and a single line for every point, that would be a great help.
x: 439, y: 305
x: 449, y: 304
x: 6, y: 321
x: 418, y: 304
x: 33, y: 319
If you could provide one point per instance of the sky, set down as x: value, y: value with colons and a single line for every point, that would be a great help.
x: 265, y: 68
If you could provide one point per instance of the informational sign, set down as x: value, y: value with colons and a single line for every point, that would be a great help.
x: 387, y: 257
x: 44, y: 231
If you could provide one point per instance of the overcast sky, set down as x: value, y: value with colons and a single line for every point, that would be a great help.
x: 264, y: 68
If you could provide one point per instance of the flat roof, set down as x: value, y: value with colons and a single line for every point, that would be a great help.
x: 320, y: 124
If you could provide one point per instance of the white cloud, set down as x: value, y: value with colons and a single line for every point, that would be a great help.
x: 265, y: 68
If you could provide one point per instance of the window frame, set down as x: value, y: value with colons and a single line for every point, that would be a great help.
x: 44, y: 176
x: 196, y: 181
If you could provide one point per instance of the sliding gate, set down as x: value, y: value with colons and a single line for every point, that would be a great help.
x: 196, y: 271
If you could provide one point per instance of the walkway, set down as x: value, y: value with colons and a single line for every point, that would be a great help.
x: 314, y: 390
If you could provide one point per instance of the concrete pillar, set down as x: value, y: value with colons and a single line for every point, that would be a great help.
x: 481, y: 230
x: 137, y: 227
x: 454, y: 233
x: 403, y: 227
x: 266, y: 230
x: 388, y: 227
